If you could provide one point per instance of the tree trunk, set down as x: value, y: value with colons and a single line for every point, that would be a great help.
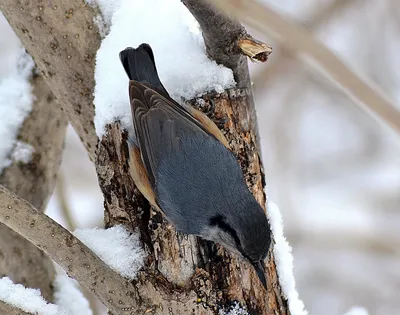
x: 183, y: 273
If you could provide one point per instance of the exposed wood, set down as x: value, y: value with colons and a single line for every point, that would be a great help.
x: 254, y: 49
x: 44, y: 129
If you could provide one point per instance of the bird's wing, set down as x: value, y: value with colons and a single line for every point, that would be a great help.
x: 159, y: 123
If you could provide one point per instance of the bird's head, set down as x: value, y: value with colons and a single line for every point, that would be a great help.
x: 246, y: 232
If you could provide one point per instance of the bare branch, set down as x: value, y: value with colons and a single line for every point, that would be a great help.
x: 43, y: 129
x: 11, y: 310
x: 71, y: 254
x: 227, y: 40
x: 71, y: 226
x: 62, y: 199
x: 369, y: 97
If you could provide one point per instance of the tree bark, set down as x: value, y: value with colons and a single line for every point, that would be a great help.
x: 44, y: 129
x: 183, y: 274
x: 11, y: 310
x: 200, y: 275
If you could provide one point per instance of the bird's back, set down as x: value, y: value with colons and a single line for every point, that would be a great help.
x: 203, y: 179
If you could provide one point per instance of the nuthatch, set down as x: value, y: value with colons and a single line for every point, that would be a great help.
x: 182, y: 164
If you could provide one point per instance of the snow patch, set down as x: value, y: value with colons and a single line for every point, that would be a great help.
x: 235, y: 309
x: 107, y: 8
x: 68, y: 295
x: 22, y: 152
x: 179, y: 50
x: 116, y: 247
x: 284, y: 261
x: 28, y: 300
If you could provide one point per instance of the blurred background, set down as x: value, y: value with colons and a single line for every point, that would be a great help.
x: 332, y: 169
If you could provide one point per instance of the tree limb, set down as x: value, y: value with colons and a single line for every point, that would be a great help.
x: 43, y: 129
x: 80, y: 263
x: 369, y: 97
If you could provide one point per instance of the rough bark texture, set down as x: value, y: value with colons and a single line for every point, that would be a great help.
x: 44, y: 129
x: 63, y: 40
x: 10, y: 310
x: 196, y: 275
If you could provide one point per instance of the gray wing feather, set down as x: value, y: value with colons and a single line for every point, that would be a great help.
x: 158, y: 123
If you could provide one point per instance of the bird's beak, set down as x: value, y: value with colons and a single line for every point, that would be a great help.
x: 259, y: 267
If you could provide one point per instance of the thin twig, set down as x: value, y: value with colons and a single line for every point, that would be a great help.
x: 367, y: 96
x: 80, y: 263
x: 71, y: 226
x: 62, y: 199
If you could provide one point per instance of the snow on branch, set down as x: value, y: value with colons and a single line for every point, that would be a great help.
x: 22, y: 152
x: 179, y: 41
x: 179, y: 50
x: 70, y: 253
x: 116, y: 247
x: 16, y: 98
x: 26, y: 299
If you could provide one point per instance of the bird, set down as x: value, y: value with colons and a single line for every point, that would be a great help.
x: 183, y: 165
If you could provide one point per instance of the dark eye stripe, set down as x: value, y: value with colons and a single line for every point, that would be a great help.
x: 219, y: 221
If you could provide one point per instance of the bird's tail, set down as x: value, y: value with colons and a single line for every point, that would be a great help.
x: 140, y: 66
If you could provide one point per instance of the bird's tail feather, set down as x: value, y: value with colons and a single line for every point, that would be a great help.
x: 140, y: 66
